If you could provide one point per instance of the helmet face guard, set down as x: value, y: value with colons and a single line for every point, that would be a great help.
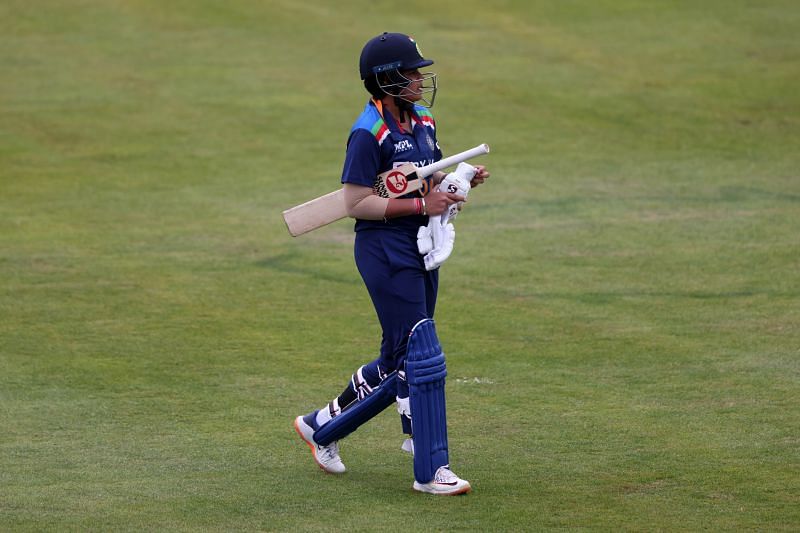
x: 400, y: 86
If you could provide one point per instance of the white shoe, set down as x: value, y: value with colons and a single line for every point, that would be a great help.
x: 445, y: 482
x: 408, y: 446
x: 327, y: 457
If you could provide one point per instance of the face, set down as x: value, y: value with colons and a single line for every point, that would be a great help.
x: 412, y: 91
x: 410, y: 85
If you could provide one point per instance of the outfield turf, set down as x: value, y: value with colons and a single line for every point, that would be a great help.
x: 621, y: 313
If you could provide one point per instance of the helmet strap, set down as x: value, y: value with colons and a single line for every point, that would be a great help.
x: 403, y: 105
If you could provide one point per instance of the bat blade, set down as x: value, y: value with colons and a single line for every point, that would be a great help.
x: 331, y: 207
x: 315, y: 213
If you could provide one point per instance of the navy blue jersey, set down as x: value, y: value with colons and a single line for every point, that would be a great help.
x: 377, y: 144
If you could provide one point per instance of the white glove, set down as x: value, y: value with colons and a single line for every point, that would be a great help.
x: 435, y: 241
x: 424, y: 239
x: 457, y: 182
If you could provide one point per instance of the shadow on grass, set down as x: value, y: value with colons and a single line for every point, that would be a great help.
x: 302, y: 265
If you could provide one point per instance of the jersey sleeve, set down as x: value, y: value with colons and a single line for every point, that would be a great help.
x: 362, y: 161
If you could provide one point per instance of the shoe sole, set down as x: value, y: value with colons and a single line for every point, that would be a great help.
x: 463, y: 490
x: 311, y: 445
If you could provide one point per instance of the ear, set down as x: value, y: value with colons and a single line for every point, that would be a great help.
x: 384, y: 78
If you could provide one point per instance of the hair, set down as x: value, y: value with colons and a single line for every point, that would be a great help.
x: 371, y: 84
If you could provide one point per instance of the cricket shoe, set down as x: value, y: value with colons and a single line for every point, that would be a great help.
x: 444, y: 483
x: 327, y: 457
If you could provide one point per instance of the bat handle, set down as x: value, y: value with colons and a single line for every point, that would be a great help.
x: 424, y: 172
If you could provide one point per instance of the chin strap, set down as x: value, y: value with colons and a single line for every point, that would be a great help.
x: 403, y: 105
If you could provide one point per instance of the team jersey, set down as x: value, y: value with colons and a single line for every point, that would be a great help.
x: 377, y: 144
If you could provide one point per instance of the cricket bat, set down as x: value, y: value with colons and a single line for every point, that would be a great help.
x: 390, y: 184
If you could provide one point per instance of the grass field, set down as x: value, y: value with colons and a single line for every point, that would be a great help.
x: 621, y: 313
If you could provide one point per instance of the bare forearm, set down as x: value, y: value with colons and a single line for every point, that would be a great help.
x: 401, y: 207
x: 362, y: 203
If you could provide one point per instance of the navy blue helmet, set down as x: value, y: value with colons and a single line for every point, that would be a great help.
x: 391, y: 51
x: 385, y: 61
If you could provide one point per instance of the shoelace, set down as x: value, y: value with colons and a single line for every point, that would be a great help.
x: 330, y: 452
x: 445, y: 475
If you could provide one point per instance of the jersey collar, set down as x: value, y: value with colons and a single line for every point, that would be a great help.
x: 391, y: 121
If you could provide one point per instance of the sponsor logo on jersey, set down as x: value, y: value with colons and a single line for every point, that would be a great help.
x: 403, y: 146
x: 420, y: 163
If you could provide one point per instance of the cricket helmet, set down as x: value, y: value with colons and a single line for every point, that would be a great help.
x: 391, y: 51
x: 384, y: 59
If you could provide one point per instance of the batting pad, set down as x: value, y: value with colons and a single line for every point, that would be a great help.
x: 425, y: 372
x: 358, y: 412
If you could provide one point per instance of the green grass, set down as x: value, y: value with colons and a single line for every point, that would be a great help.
x: 621, y: 313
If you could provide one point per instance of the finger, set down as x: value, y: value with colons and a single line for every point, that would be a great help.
x: 453, y: 198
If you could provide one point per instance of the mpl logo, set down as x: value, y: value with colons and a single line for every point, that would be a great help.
x: 403, y: 146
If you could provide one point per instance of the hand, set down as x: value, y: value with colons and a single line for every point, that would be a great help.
x: 457, y: 182
x: 480, y: 176
x: 437, y: 202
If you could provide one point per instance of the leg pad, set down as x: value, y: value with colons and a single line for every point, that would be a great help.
x: 426, y: 371
x: 357, y: 413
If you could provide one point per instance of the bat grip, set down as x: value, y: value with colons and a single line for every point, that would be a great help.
x: 424, y: 172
